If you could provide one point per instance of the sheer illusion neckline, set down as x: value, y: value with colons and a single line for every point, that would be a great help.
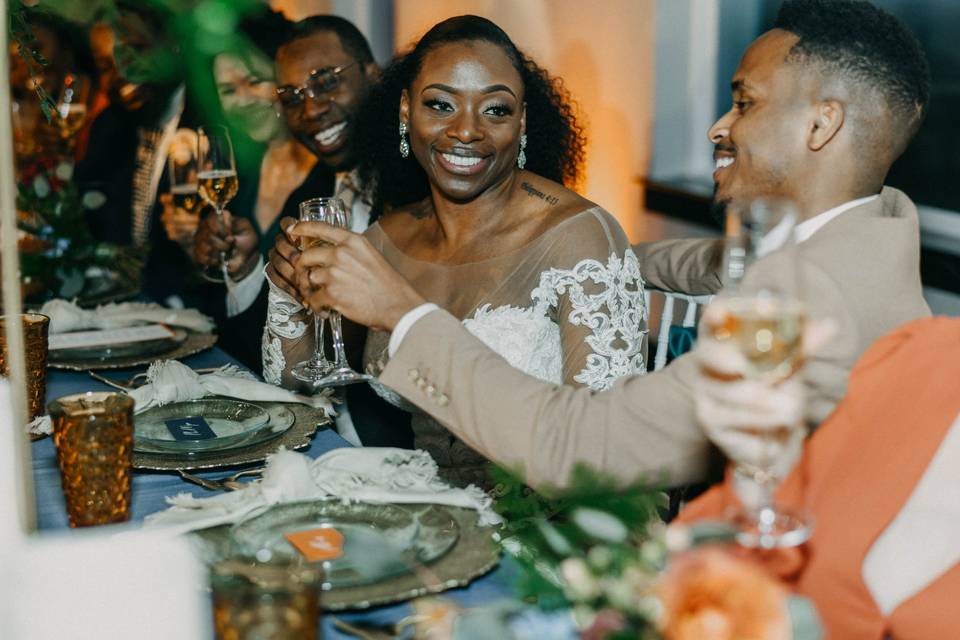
x: 388, y: 242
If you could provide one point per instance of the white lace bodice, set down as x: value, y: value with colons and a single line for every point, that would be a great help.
x: 606, y: 299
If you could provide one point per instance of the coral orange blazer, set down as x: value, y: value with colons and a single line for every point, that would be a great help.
x: 858, y: 470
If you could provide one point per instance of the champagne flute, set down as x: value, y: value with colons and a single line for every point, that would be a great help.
x: 764, y: 321
x: 182, y: 167
x: 71, y: 109
x: 342, y: 373
x: 217, y: 179
x: 317, y: 367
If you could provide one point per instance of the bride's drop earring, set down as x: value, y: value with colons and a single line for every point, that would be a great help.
x: 404, y: 145
x: 522, y: 157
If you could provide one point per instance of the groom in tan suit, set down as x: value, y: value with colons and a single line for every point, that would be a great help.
x: 822, y: 106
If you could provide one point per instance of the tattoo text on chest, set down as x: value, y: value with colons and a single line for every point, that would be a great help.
x: 533, y: 191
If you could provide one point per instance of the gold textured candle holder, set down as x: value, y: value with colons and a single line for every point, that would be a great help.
x: 277, y: 599
x: 35, y: 330
x: 93, y: 433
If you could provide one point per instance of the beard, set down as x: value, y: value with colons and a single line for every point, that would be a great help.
x: 718, y: 209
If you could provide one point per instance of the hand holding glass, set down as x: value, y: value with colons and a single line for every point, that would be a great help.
x: 216, y: 178
x: 764, y: 320
x: 331, y: 211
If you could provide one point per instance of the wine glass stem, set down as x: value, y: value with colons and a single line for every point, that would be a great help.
x: 318, y: 355
x: 223, y: 255
x: 338, y: 350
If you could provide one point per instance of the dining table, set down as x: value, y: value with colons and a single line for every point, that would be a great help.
x: 151, y: 488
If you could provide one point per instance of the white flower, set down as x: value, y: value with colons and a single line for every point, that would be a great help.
x: 600, y: 525
x: 653, y: 553
x: 93, y: 200
x: 620, y: 594
x: 678, y: 538
x: 64, y: 170
x: 581, y: 585
x: 41, y: 187
x: 600, y: 558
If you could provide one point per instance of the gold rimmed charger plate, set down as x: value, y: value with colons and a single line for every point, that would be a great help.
x: 474, y: 554
x: 194, y: 343
x: 307, y: 421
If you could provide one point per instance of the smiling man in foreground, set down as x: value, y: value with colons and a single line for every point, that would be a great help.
x: 822, y: 106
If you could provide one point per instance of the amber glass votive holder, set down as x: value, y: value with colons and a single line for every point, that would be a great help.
x: 93, y: 434
x: 277, y: 599
x: 36, y: 327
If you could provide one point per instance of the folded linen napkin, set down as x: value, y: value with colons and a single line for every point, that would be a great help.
x: 364, y: 474
x: 40, y: 426
x: 172, y: 381
x: 66, y: 316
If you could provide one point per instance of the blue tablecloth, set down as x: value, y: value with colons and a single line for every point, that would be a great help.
x: 150, y: 489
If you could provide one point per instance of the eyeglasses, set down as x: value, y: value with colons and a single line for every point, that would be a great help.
x: 321, y: 81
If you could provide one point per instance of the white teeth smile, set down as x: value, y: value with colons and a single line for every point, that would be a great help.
x: 724, y: 162
x: 329, y: 135
x: 461, y: 161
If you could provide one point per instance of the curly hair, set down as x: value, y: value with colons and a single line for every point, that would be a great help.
x: 555, y: 141
x: 866, y: 45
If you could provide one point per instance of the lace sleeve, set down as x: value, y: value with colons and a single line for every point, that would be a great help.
x: 286, y: 340
x: 600, y: 309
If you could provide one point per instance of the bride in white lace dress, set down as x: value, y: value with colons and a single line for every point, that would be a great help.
x: 544, y: 277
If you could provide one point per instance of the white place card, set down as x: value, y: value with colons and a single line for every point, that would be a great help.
x: 104, y: 337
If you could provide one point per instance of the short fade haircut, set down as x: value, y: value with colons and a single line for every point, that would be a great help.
x: 352, y: 41
x: 855, y: 40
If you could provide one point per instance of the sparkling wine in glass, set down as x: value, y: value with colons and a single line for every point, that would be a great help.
x: 764, y: 321
x: 317, y: 367
x: 216, y: 179
x: 341, y: 373
x: 71, y: 110
x: 186, y: 197
x: 182, y: 168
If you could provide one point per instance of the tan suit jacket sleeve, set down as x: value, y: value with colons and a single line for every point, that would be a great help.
x: 643, y: 427
x: 682, y: 266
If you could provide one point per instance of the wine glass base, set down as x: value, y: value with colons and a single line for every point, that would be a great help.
x: 775, y: 527
x: 341, y: 377
x: 311, y: 371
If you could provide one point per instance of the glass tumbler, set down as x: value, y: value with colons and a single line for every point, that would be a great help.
x: 93, y: 434
x: 35, y: 330
x: 277, y: 599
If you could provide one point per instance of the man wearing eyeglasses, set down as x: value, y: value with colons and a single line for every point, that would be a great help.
x: 324, y: 68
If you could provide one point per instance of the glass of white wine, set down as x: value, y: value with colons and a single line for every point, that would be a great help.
x: 71, y: 112
x: 340, y: 373
x: 764, y: 320
x: 182, y: 168
x: 317, y: 367
x: 216, y: 179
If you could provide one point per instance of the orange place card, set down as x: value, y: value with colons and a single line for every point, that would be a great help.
x: 315, y: 545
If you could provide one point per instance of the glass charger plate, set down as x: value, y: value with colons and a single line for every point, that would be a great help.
x: 473, y: 555
x: 379, y: 541
x: 233, y: 423
x: 306, y: 422
x: 193, y: 343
